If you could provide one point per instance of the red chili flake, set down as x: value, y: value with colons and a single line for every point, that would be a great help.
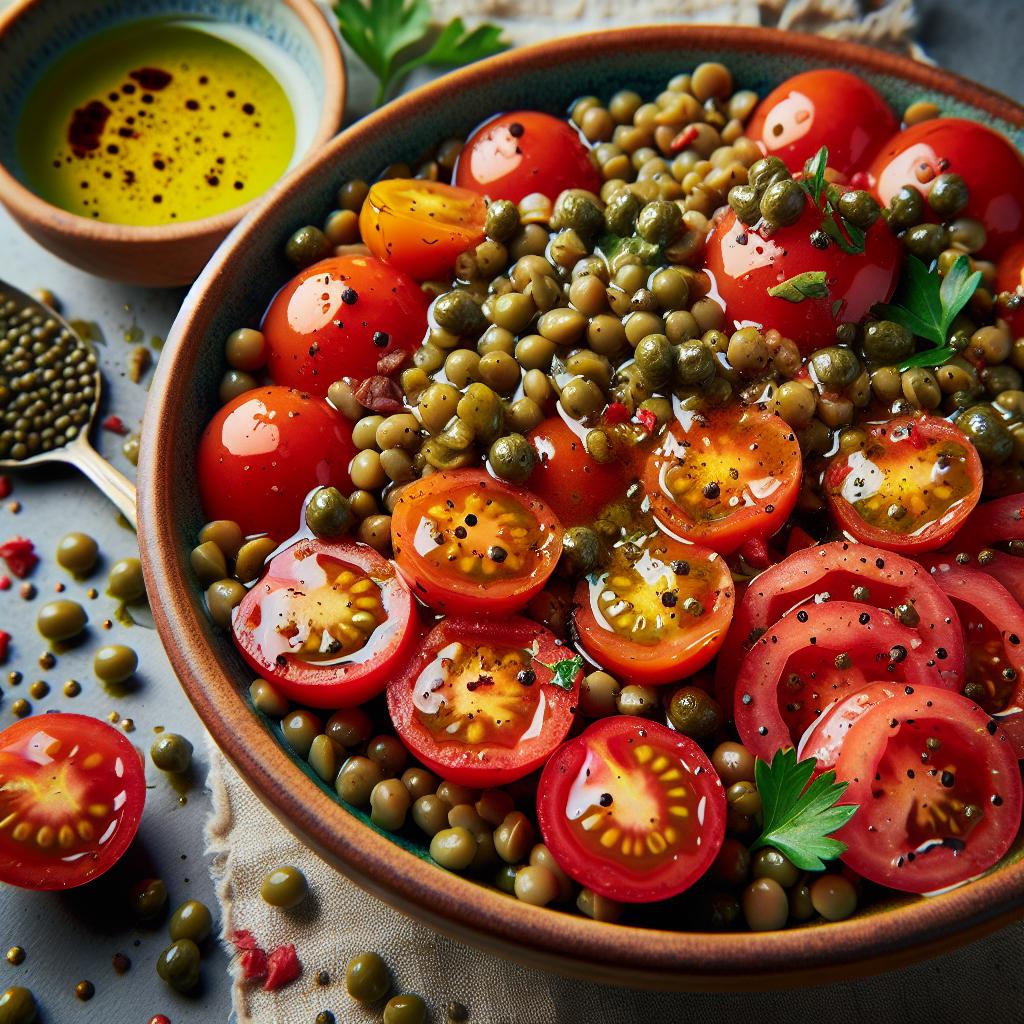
x: 254, y: 964
x: 243, y: 939
x: 283, y: 966
x: 684, y: 138
x: 378, y: 394
x: 115, y: 425
x: 5, y: 582
x: 647, y: 419
x: 616, y: 413
x: 755, y: 553
x: 391, y: 362
x: 19, y: 554
x: 5, y: 643
x: 5, y: 487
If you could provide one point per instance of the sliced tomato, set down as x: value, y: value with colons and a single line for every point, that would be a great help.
x: 725, y: 476
x: 815, y: 656
x: 328, y: 623
x: 338, y: 318
x: 72, y: 790
x: 841, y: 571
x: 994, y: 522
x: 515, y: 154
x: 909, y: 488
x: 824, y: 737
x: 470, y: 544
x: 819, y: 108
x: 485, y: 702
x: 938, y: 789
x: 632, y: 810
x: 657, y: 612
x: 421, y: 227
x: 565, y: 477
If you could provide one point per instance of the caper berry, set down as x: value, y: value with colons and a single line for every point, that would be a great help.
x: 125, y: 581
x: 367, y: 977
x: 835, y: 367
x: 502, y: 221
x: 986, y: 430
x: 61, y: 620
x: 171, y: 753
x: 782, y: 203
x: 581, y: 549
x: 77, y: 552
x: 284, y: 887
x: 694, y: 363
x: 512, y: 458
x: 178, y: 965
x: 115, y: 663
x: 886, y: 341
x: 948, y: 195
x: 457, y: 311
x: 655, y: 358
x: 695, y: 713
x: 859, y: 208
x: 329, y: 513
x: 659, y: 222
x: 192, y: 920
x: 18, y: 1006
x: 149, y: 899
x: 308, y: 245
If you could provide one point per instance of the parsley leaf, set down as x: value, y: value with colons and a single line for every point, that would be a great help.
x: 808, y: 285
x: 799, y: 818
x: 564, y: 672
x: 844, y: 233
x: 383, y: 31
x: 815, y: 167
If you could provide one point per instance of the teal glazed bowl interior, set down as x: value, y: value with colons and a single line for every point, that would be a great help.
x: 234, y: 290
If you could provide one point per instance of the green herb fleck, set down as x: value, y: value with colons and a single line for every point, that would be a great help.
x: 846, y: 235
x: 564, y: 672
x: 808, y: 285
x: 611, y: 246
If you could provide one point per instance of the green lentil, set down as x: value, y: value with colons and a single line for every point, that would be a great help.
x: 171, y: 753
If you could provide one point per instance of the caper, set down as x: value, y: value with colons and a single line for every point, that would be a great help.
x: 356, y: 779
x: 621, y: 213
x: 222, y: 598
x: 581, y: 549
x: 795, y: 403
x: 61, y: 620
x: 948, y: 195
x: 405, y: 1009
x: 284, y: 887
x: 920, y: 388
x: 578, y: 210
x: 367, y: 977
x: 268, y: 699
x: 114, y: 663
x: 437, y: 405
x: 747, y: 351
x: 859, y: 208
x: 746, y: 203
x: 885, y: 341
x: 225, y: 533
x: 329, y: 513
x: 307, y: 245
x: 77, y: 552
x: 765, y: 905
x: 349, y: 727
x: 18, y: 1006
x: 192, y: 920
x: 481, y: 410
x: 599, y: 694
x: 800, y: 906
x: 733, y: 762
x: 926, y: 241
x: 835, y: 367
x: 636, y: 699
x: 171, y: 753
x: 694, y: 363
x: 986, y: 430
x: 458, y: 312
x: 342, y: 227
x: 834, y: 897
x: 352, y: 195
x: 178, y: 965
x: 299, y: 729
x: 743, y: 797
x: 149, y: 899
x: 656, y: 359
x: 770, y: 863
x: 453, y: 848
x: 512, y: 458
x: 659, y: 222
x: 767, y: 171
x: 782, y: 203
x: 502, y: 221
x: 695, y: 713
x: 906, y: 208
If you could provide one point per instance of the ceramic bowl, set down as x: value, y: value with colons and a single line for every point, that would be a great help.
x: 302, y: 52
x: 233, y: 291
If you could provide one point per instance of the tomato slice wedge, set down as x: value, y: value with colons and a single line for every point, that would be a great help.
x: 421, y: 227
x: 632, y: 810
x: 72, y: 789
x: 722, y: 477
x: 328, y: 623
x: 470, y: 544
x: 909, y: 488
x: 658, y: 612
x: 817, y: 655
x: 479, y: 703
x: 938, y: 789
x: 992, y: 523
x: 842, y: 571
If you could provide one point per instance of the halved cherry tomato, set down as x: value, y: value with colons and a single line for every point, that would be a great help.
x: 632, y: 810
x: 988, y: 163
x: 526, y: 151
x: 337, y: 318
x: 724, y: 476
x: 264, y: 451
x: 744, y: 262
x: 909, y: 488
x: 846, y: 572
x: 1010, y: 278
x: 421, y: 227
x: 938, y: 789
x: 823, y: 108
x: 817, y: 655
x: 71, y: 795
x: 328, y: 623
x: 470, y: 544
x: 657, y: 612
x: 576, y: 486
x: 479, y: 703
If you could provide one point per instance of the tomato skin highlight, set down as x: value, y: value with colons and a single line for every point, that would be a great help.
x: 421, y: 227
x: 309, y: 572
x: 824, y: 739
x: 823, y: 108
x: 513, y: 155
x: 893, y: 775
x: 550, y: 708
x: 893, y: 450
x: 79, y: 814
x: 264, y: 451
x: 623, y: 754
x: 988, y: 163
x: 337, y: 318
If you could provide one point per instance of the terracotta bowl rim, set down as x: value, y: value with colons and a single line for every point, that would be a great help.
x: 542, y: 938
x: 32, y: 208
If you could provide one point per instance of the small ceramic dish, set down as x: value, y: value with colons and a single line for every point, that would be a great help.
x: 301, y: 51
x: 236, y: 287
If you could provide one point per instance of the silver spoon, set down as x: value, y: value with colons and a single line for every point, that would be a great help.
x: 75, y: 450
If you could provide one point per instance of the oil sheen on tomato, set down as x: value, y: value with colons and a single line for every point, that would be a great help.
x: 156, y: 122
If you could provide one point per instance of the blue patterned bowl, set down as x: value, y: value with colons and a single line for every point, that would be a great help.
x: 301, y: 50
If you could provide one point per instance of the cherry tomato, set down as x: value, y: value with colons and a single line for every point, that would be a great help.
x: 823, y: 108
x: 71, y: 799
x: 723, y: 477
x: 421, y: 227
x: 938, y: 789
x: 264, y: 451
x: 328, y: 623
x: 744, y: 263
x: 337, y: 318
x: 909, y: 488
x: 987, y: 162
x: 845, y: 572
x: 484, y: 702
x: 632, y: 810
x: 824, y: 738
x: 526, y: 151
x: 472, y: 545
x: 657, y: 617
x: 573, y: 484
x: 817, y: 655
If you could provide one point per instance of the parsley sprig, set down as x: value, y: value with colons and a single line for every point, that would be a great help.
x: 800, y: 818
x: 386, y: 31
x: 564, y: 672
x: 926, y: 304
x: 844, y: 233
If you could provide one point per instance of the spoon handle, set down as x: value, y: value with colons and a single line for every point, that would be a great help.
x: 113, y: 483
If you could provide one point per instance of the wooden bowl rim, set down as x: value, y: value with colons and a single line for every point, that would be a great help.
x: 555, y: 941
x: 32, y: 208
